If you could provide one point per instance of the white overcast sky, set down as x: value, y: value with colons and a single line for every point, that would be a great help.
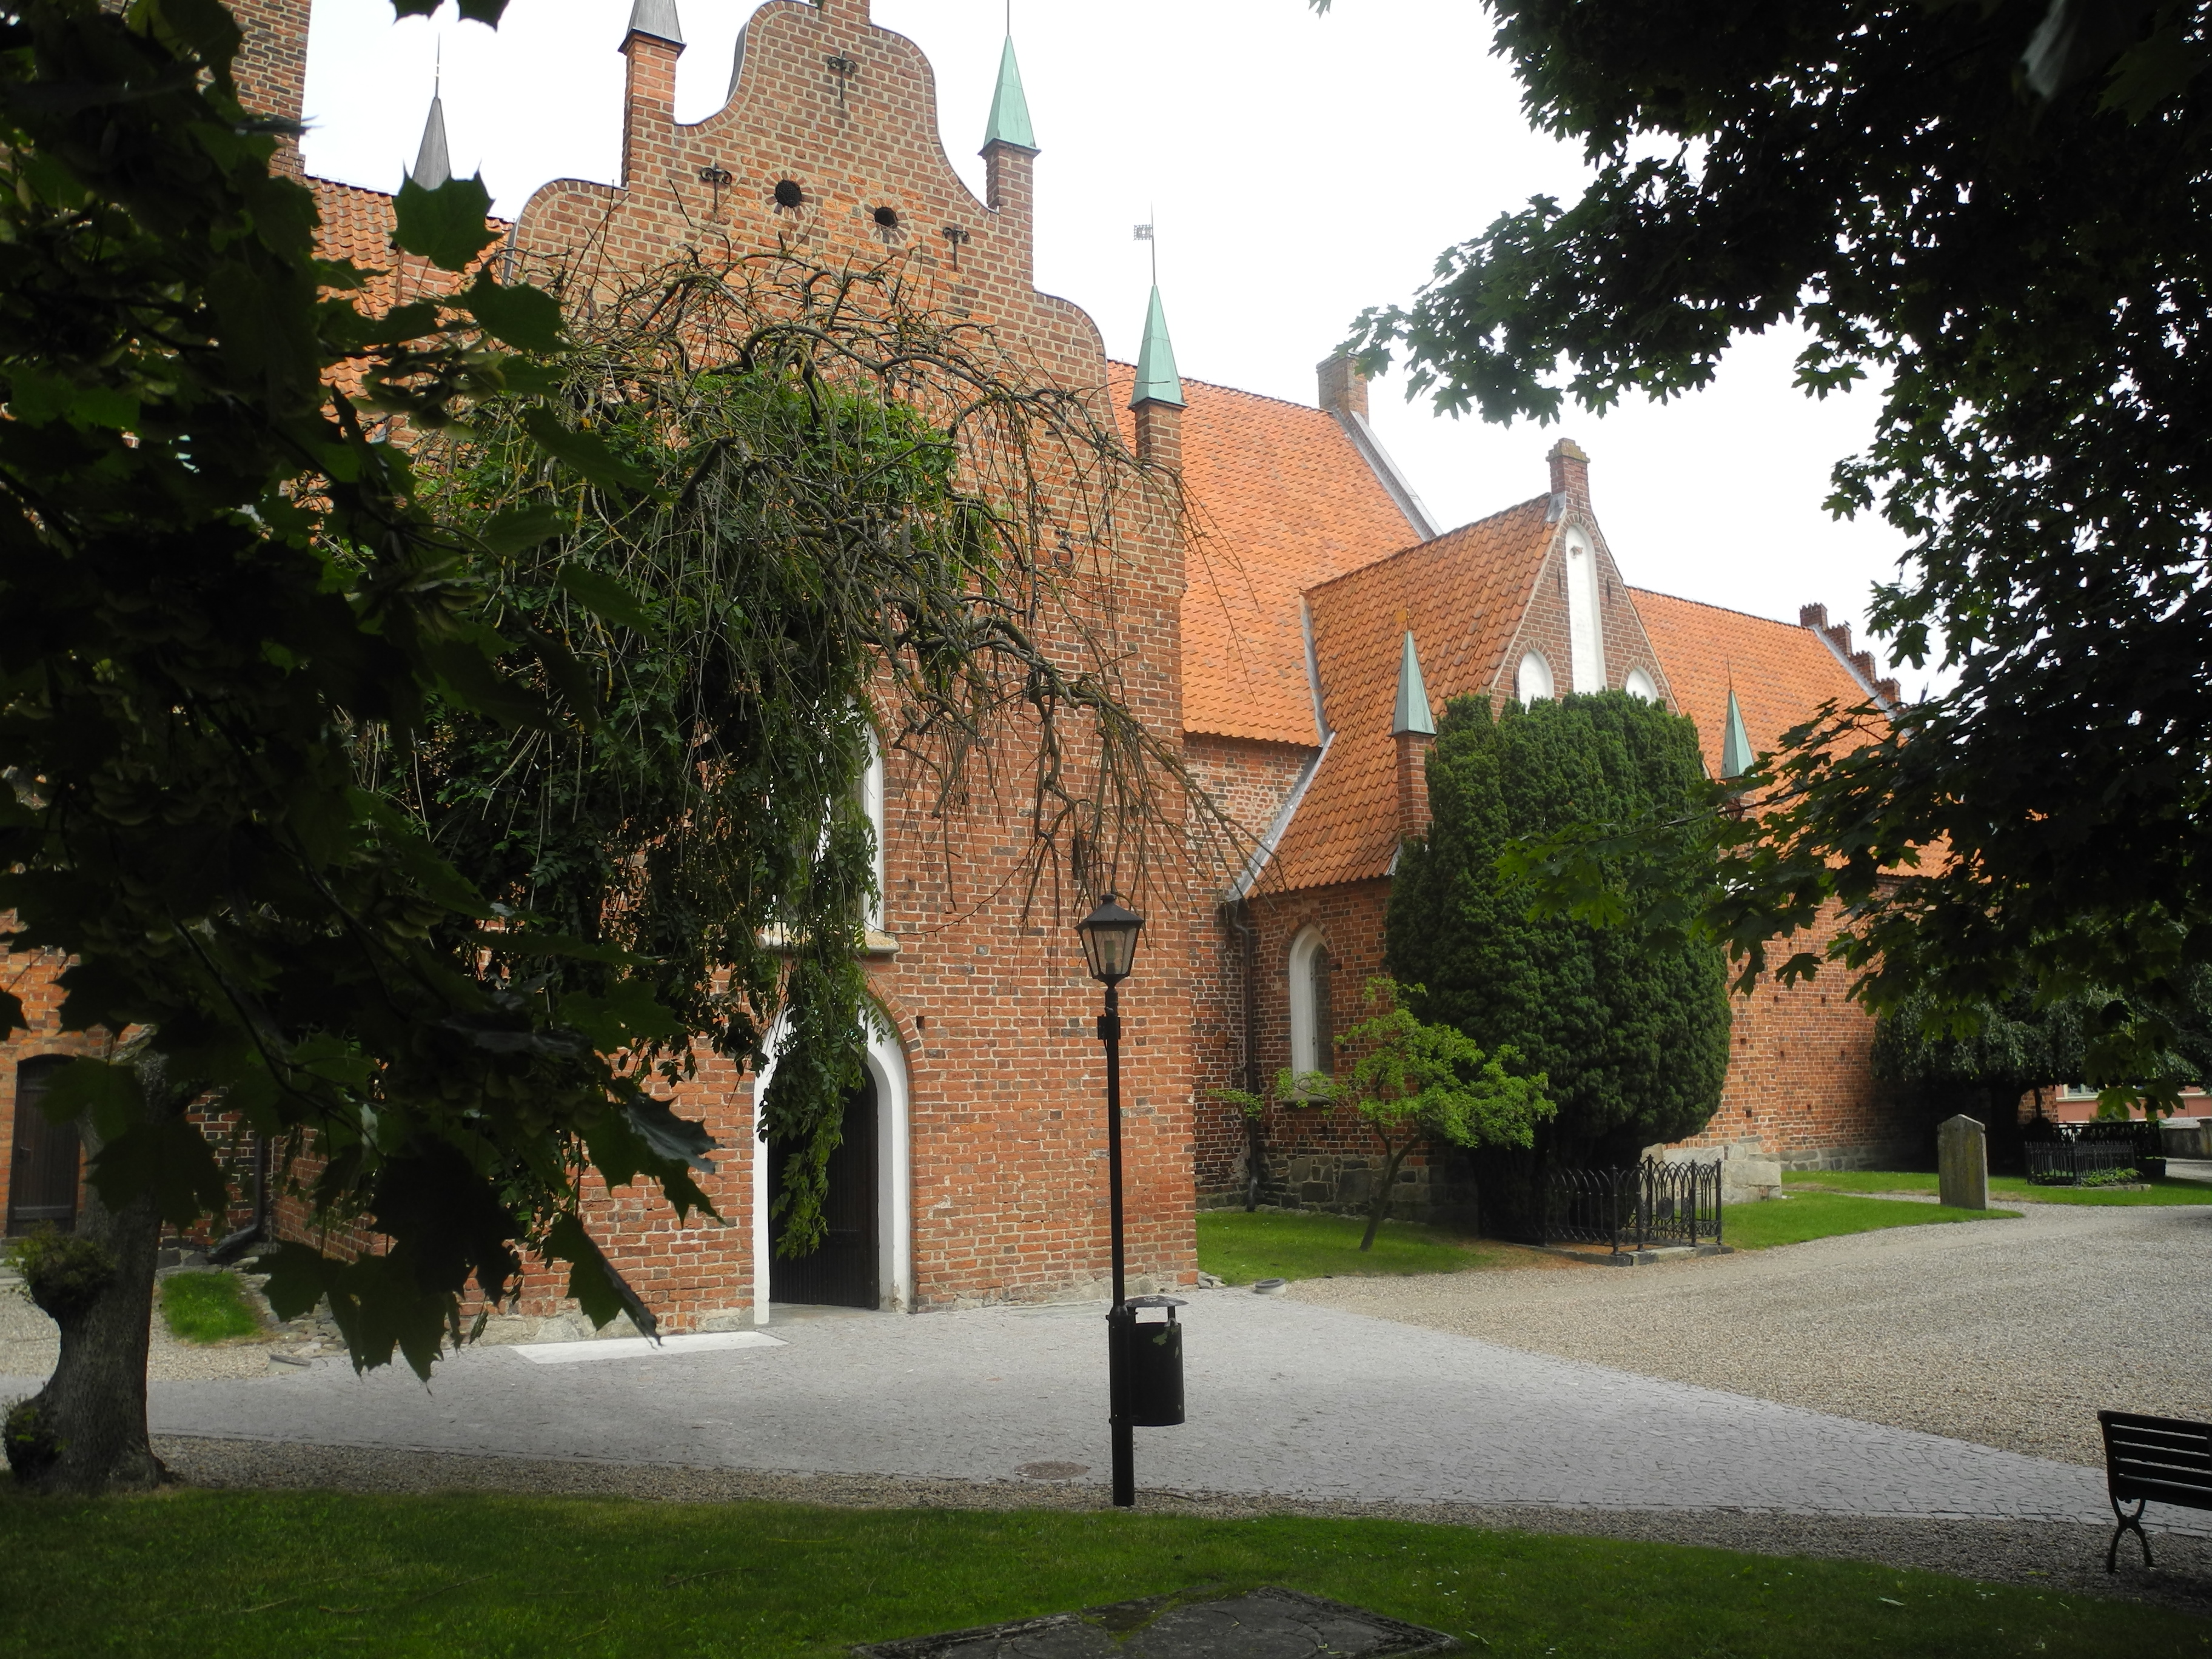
x: 1300, y: 168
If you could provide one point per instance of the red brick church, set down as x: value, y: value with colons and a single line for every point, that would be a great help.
x: 1296, y: 629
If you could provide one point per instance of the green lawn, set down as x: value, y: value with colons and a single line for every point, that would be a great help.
x: 1307, y: 1244
x: 206, y: 1306
x: 2014, y: 1188
x: 219, y: 1575
x: 1811, y: 1213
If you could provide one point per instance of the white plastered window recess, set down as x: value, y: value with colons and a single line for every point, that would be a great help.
x: 1532, y: 681
x: 1641, y: 684
x: 1585, y: 634
x: 1313, y: 1029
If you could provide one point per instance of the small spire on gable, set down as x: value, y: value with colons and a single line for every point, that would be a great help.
x: 434, y: 163
x: 656, y: 18
x: 1010, y: 104
x: 1413, y: 713
x: 1735, y: 743
x: 1158, y: 382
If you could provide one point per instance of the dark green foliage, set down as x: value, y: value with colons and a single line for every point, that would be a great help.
x: 63, y: 1273
x: 1630, y: 1032
x: 1988, y: 1063
x: 2000, y: 213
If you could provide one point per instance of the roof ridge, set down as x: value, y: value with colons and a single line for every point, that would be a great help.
x: 1456, y: 530
x: 1725, y: 610
x: 1237, y: 392
x: 380, y: 195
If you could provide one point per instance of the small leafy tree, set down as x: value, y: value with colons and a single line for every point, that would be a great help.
x: 1289, y: 1089
x: 1416, y: 1083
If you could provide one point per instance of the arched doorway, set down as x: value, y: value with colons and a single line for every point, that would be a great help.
x: 842, y: 1271
x: 886, y: 1176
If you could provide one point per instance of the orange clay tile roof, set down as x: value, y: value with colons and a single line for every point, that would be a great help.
x: 1462, y: 595
x: 357, y: 225
x: 1281, y: 501
x: 1781, y: 673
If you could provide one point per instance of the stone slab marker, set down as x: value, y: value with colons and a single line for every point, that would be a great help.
x: 1962, y: 1163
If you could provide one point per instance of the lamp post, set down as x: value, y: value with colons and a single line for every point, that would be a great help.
x: 1110, y: 945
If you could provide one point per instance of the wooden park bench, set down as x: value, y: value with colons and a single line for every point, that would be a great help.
x: 2148, y: 1458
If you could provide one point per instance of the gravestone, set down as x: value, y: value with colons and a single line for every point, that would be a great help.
x: 1962, y: 1164
x: 1261, y: 1624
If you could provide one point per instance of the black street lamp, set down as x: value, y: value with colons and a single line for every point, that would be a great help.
x: 1145, y: 1374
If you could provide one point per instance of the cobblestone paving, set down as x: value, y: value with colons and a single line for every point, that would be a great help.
x: 1287, y: 1399
x: 2011, y: 1333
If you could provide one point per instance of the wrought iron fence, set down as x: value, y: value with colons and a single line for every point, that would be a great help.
x: 2064, y: 1162
x: 1634, y: 1208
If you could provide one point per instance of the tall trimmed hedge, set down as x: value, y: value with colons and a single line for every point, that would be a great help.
x: 1633, y: 1035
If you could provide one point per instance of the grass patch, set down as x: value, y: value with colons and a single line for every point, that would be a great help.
x: 2016, y: 1188
x: 1307, y: 1244
x: 207, y: 1307
x: 1813, y: 1213
x: 235, y: 1575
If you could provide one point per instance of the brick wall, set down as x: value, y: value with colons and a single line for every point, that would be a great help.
x: 1801, y: 1079
x: 271, y: 66
x: 993, y: 1009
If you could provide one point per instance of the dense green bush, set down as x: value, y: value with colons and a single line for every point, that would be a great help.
x: 1630, y: 1029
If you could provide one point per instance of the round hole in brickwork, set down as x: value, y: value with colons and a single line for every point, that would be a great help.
x: 887, y: 217
x: 789, y: 194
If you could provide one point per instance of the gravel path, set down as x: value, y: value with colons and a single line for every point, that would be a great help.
x: 2010, y: 1333
x: 1287, y: 1399
x: 2063, y: 1558
x: 30, y: 1344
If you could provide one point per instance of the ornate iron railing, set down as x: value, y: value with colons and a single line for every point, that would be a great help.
x: 2062, y: 1163
x: 1651, y: 1203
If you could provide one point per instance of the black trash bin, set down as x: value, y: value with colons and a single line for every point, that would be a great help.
x: 1145, y: 1359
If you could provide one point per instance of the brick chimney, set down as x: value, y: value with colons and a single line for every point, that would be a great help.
x: 652, y: 45
x: 1571, y: 475
x: 1160, y: 433
x: 1343, y: 387
x: 1414, y: 782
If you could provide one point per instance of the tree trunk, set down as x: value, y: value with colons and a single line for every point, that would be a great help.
x: 1381, y: 1207
x: 85, y: 1432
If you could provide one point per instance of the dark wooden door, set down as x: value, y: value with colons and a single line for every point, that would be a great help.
x: 842, y: 1273
x: 42, y: 1175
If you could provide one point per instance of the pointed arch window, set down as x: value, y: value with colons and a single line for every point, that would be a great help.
x: 1313, y: 1024
x: 1640, y: 684
x: 872, y: 802
x: 1586, y: 637
x: 1532, y: 683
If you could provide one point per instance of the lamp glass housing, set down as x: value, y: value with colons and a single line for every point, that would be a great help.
x: 1109, y: 940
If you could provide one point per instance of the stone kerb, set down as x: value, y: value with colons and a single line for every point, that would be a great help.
x: 1962, y: 1163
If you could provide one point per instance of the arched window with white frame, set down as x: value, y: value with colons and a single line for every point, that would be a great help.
x: 1313, y: 1027
x: 1585, y: 637
x: 1531, y: 681
x: 871, y: 803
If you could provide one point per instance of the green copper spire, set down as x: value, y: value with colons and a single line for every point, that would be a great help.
x: 1010, y: 106
x: 1156, y: 379
x: 1413, y: 714
x: 1735, y: 743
